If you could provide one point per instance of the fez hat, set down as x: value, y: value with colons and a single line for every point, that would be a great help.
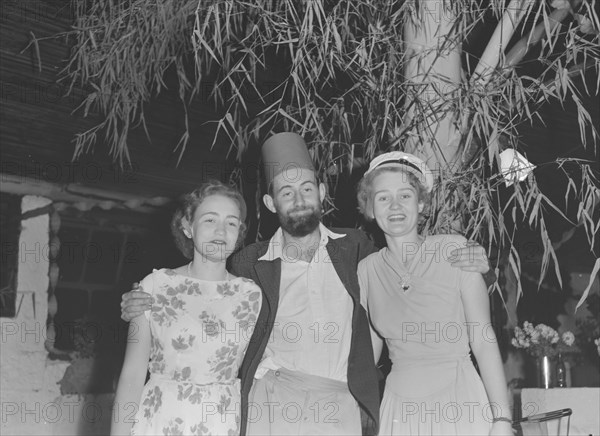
x: 285, y: 153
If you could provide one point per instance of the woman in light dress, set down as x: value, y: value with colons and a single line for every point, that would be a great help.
x: 430, y: 314
x: 194, y: 337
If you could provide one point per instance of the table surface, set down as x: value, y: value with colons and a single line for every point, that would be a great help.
x: 585, y: 403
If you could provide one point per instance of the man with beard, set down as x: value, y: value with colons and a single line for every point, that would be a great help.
x: 310, y: 363
x: 309, y: 367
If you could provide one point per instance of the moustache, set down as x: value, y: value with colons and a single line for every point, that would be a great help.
x: 301, y: 209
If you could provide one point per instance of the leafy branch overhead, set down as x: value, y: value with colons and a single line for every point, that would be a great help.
x: 355, y: 77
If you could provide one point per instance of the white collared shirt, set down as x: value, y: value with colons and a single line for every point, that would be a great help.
x: 313, y: 325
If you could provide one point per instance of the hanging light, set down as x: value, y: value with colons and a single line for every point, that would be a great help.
x: 514, y: 166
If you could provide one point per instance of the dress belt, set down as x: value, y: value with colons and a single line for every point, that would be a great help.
x: 307, y: 382
x: 400, y: 363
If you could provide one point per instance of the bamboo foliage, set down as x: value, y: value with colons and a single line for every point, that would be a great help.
x: 340, y: 74
x: 122, y: 51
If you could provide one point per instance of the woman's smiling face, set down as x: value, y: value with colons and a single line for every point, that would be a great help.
x: 396, y: 205
x: 215, y: 227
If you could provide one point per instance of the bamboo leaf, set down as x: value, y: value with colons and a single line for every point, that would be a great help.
x: 347, y: 75
x: 587, y: 289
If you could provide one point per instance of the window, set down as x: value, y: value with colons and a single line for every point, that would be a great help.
x: 101, y: 254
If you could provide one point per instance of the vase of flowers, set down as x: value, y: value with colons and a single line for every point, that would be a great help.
x: 544, y: 344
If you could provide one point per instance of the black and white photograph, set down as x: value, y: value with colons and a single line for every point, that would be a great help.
x: 300, y: 217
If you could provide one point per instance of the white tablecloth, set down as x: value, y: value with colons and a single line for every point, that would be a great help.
x: 585, y: 403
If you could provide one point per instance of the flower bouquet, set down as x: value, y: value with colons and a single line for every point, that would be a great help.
x: 543, y: 340
x: 544, y: 343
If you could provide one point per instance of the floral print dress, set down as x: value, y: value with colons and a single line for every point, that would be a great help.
x: 200, y: 332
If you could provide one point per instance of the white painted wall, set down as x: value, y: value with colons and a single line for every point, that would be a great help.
x: 28, y: 379
x: 31, y: 403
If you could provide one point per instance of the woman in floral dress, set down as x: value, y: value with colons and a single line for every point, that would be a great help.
x: 194, y: 337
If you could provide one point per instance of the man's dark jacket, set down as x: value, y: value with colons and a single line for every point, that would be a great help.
x: 345, y: 253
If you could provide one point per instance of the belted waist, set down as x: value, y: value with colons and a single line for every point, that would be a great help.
x: 418, y: 378
x: 404, y: 362
x: 164, y: 378
x: 308, y: 382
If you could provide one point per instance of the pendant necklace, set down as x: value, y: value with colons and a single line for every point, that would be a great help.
x: 405, y: 279
x: 189, y: 271
x: 405, y: 276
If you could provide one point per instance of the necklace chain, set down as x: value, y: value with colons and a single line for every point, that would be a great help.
x: 189, y: 271
x: 405, y: 277
x: 405, y: 280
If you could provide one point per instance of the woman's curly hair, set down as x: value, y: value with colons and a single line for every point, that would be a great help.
x: 188, y: 204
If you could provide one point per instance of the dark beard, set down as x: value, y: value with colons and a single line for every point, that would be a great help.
x: 302, y: 225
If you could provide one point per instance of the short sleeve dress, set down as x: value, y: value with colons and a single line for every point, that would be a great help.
x: 200, y: 332
x: 433, y: 387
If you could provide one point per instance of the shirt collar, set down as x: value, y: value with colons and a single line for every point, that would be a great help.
x: 275, y: 248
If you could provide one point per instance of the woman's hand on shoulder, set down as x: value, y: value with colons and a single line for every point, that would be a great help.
x: 134, y: 303
x: 471, y: 257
